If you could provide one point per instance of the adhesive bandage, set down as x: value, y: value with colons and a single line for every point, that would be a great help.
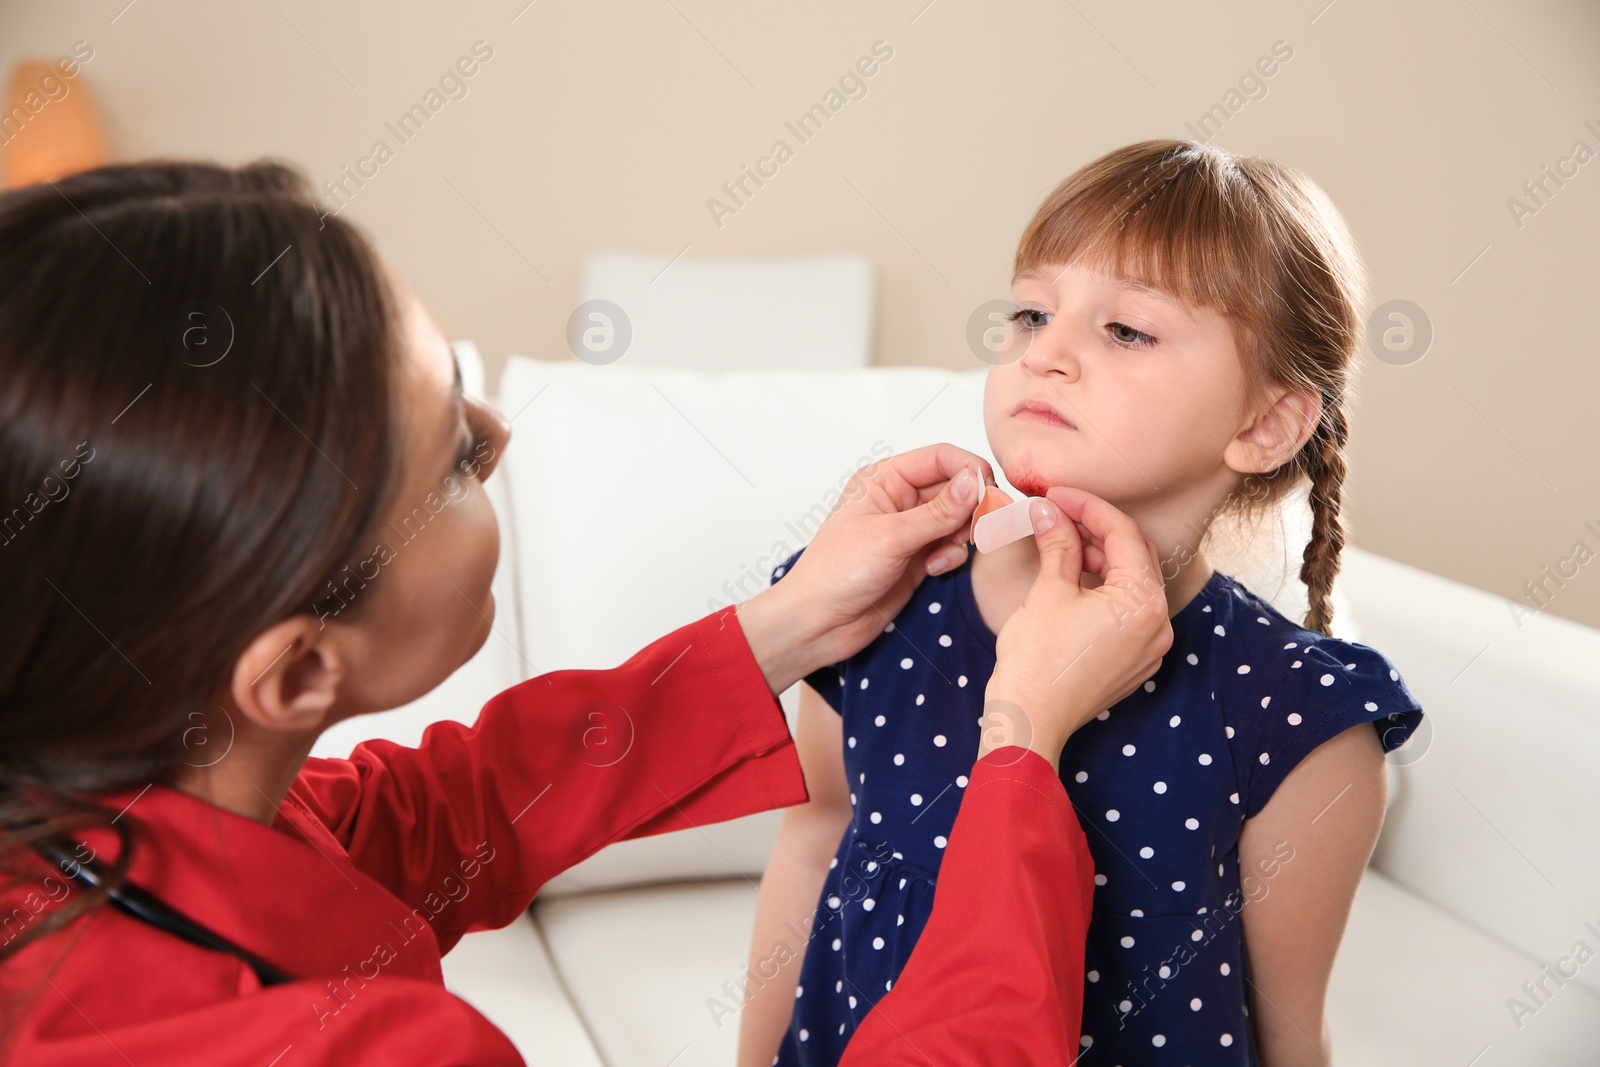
x: 998, y: 520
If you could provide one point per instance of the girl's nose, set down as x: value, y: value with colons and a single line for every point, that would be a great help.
x: 1053, y: 350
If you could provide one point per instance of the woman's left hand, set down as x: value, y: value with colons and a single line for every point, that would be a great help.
x: 899, y: 520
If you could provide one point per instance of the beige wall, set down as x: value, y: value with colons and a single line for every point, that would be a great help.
x: 610, y: 125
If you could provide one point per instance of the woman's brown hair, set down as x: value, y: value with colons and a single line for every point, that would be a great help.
x: 1259, y: 242
x: 196, y: 430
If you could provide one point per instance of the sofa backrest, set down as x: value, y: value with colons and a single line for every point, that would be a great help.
x: 1497, y: 812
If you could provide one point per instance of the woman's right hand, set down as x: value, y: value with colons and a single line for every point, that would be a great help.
x: 1069, y: 652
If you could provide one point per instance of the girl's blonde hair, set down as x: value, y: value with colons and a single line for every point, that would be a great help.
x: 1262, y: 244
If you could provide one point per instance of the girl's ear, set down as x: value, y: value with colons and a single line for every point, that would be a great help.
x: 288, y: 677
x: 1273, y: 437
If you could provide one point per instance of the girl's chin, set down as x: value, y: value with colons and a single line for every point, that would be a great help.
x: 1032, y: 484
x: 1031, y: 481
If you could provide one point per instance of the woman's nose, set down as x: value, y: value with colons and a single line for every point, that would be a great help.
x: 496, y: 434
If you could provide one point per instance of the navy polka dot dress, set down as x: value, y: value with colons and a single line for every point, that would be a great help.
x: 1162, y: 783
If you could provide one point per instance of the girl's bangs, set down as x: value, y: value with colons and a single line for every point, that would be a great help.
x: 1184, y: 226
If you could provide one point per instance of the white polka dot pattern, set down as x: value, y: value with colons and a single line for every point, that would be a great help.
x: 1166, y: 777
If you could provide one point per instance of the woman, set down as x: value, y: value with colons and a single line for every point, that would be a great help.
x: 249, y: 507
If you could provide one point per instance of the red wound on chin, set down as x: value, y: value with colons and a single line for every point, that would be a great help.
x: 1030, y: 484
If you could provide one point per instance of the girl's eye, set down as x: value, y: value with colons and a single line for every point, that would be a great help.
x: 1030, y: 318
x: 1128, y: 337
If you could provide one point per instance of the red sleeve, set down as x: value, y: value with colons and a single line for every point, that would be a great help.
x: 684, y: 733
x: 997, y: 974
x: 396, y: 1021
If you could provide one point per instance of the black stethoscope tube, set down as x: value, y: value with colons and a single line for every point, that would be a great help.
x: 145, y: 906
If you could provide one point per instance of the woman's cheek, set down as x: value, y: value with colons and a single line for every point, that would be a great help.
x: 481, y: 536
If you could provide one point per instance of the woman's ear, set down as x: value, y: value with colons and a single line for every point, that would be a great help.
x: 288, y: 677
x: 1272, y: 438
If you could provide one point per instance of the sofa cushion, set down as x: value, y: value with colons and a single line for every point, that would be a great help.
x: 1415, y: 986
x: 655, y: 971
x: 508, y: 976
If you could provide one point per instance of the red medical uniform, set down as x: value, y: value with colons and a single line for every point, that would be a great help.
x: 376, y: 866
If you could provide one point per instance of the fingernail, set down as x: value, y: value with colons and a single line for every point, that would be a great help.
x: 1044, y: 515
x: 964, y: 486
x: 939, y: 565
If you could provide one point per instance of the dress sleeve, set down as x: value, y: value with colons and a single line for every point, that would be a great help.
x: 684, y: 733
x: 1325, y: 687
x: 827, y: 680
x: 997, y: 975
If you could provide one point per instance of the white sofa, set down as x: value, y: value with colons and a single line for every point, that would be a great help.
x: 635, y: 500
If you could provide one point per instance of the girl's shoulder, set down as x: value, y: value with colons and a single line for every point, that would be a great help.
x: 1261, y: 636
x: 1283, y: 689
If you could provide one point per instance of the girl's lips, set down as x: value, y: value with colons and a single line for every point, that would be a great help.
x: 1044, y: 416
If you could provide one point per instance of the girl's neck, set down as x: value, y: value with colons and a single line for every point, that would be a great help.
x: 1002, y: 578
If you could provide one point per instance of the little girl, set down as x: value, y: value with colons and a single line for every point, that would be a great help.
x: 1183, y: 343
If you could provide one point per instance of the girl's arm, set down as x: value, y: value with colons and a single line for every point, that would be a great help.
x: 1300, y: 861
x: 792, y: 884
